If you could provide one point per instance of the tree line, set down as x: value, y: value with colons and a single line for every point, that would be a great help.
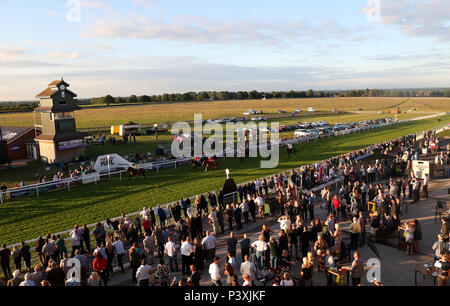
x: 244, y: 95
x: 25, y: 106
x: 9, y: 107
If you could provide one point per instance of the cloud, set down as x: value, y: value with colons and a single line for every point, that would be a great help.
x: 145, y: 3
x: 95, y: 4
x: 17, y: 57
x: 424, y: 18
x: 58, y: 54
x: 200, y: 30
x: 9, y: 54
x: 158, y: 74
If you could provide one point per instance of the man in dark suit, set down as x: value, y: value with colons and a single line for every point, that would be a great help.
x: 357, y: 269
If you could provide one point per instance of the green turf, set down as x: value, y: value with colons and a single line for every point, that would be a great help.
x: 148, y: 143
x: 26, y: 218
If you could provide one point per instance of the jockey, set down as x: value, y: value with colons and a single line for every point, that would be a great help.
x: 197, y: 158
x: 289, y: 146
x: 211, y: 159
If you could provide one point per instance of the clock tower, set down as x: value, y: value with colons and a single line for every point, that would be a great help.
x: 59, y: 141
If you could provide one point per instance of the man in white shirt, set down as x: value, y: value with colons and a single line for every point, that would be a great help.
x: 186, y: 250
x: 171, y: 251
x: 285, y: 223
x: 145, y: 213
x: 143, y: 274
x: 214, y: 271
x: 260, y: 203
x: 248, y: 267
x: 209, y: 242
x: 120, y: 252
x: 261, y: 246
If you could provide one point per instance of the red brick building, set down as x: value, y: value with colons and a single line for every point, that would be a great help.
x: 20, y: 142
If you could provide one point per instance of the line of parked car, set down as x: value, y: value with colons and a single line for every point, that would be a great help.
x: 322, y: 128
x: 225, y: 120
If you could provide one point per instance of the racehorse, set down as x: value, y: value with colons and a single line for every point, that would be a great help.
x: 211, y: 162
x: 290, y: 151
x: 135, y: 172
x: 197, y: 162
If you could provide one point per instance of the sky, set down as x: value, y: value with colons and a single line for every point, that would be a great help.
x: 124, y: 47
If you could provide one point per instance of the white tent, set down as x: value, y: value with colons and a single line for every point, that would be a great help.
x: 110, y: 163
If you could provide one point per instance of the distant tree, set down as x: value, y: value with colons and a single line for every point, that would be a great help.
x: 165, y: 97
x: 254, y: 95
x: 108, y: 100
x: 144, y: 99
x: 277, y: 94
x: 241, y: 95
x: 310, y: 93
x: 202, y: 96
x: 132, y: 99
x: 188, y: 96
x: 119, y: 100
x: 223, y: 95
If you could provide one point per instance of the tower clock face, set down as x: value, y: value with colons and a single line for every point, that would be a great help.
x: 62, y: 87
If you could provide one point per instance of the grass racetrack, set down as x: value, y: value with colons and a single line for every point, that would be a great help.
x: 28, y: 217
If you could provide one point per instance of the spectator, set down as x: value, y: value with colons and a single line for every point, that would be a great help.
x: 440, y: 247
x: 162, y: 272
x: 171, y: 252
x: 245, y: 246
x: 100, y: 265
x: 248, y: 267
x: 231, y: 244
x: 120, y: 252
x: 214, y: 271
x: 26, y: 255
x: 55, y: 274
x: 186, y: 250
x: 16, y: 280
x: 5, y: 255
x: 94, y: 280
x: 135, y: 260
x: 195, y: 275
x: 143, y: 274
x: 28, y: 282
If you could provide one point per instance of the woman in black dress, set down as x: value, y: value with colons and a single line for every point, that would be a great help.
x: 199, y: 254
x: 306, y: 272
x: 230, y: 215
x: 417, y: 236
